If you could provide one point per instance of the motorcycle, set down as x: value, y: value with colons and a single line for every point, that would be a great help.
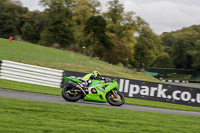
x: 97, y: 91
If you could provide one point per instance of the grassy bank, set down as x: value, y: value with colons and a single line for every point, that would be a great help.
x: 57, y: 91
x: 63, y: 60
x: 31, y: 117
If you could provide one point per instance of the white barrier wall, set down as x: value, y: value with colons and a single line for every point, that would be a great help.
x: 30, y: 74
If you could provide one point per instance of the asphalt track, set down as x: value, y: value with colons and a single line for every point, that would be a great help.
x: 60, y: 100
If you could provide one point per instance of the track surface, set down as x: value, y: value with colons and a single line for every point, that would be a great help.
x: 60, y: 100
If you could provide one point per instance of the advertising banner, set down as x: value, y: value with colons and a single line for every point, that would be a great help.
x: 152, y: 91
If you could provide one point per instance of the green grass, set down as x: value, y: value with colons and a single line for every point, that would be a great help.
x: 57, y: 91
x: 19, y: 86
x: 38, y: 117
x: 63, y: 60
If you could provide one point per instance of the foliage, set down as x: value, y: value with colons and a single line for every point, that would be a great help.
x: 182, y: 47
x: 98, y: 40
x: 119, y: 53
x: 163, y: 60
x: 71, y: 24
x: 7, y: 27
x: 59, y: 26
x: 121, y: 27
x: 114, y: 16
x: 79, y: 23
x: 196, y: 57
x: 37, y: 23
x: 148, y: 48
x: 82, y: 11
x: 167, y: 40
x: 11, y: 13
x: 28, y: 32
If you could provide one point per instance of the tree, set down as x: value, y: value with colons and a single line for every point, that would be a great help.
x: 129, y: 28
x: 28, y: 32
x: 163, y: 60
x: 114, y: 16
x: 60, y: 25
x: 7, y: 26
x: 147, y: 48
x: 38, y: 20
x: 183, y: 49
x: 181, y: 46
x: 167, y: 41
x: 82, y: 11
x: 2, y: 7
x: 96, y: 37
x: 123, y: 25
x: 10, y: 14
x: 115, y: 13
x: 196, y: 57
x: 119, y: 53
x: 16, y: 11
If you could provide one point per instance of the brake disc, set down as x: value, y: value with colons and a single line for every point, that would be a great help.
x: 117, y: 98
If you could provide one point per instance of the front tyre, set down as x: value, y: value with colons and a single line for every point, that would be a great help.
x: 69, y: 94
x: 115, y: 99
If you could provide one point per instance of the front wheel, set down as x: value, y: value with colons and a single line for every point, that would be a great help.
x: 116, y: 99
x: 69, y: 94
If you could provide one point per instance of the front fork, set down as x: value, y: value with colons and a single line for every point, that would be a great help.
x: 115, y: 96
x: 113, y: 92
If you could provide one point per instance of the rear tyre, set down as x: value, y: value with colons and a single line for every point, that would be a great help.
x: 69, y: 95
x: 115, y: 100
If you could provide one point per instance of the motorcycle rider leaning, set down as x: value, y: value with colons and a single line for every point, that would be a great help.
x: 87, y: 79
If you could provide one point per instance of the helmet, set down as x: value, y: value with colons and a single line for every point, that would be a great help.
x: 96, y: 73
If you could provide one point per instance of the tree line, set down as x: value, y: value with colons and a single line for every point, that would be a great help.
x: 115, y: 36
x: 183, y: 46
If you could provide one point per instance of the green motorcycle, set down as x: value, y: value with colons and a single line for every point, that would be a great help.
x: 97, y: 91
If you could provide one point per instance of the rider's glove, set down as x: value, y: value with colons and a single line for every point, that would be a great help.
x: 102, y: 78
x: 81, y: 85
x: 84, y: 84
x: 107, y: 79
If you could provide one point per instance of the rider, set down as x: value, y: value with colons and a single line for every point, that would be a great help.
x: 95, y: 75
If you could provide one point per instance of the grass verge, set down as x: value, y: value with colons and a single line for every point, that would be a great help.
x: 64, y: 60
x: 6, y: 84
x: 34, y: 117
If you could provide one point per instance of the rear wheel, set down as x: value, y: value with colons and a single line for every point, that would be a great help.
x: 69, y: 94
x: 115, y: 99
